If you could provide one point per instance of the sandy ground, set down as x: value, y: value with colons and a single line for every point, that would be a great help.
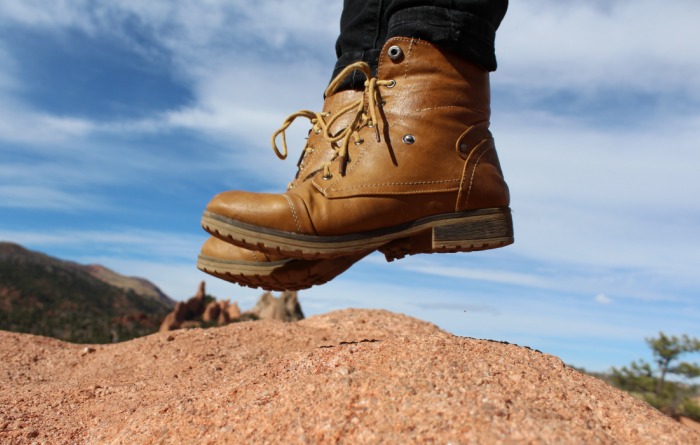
x: 351, y: 376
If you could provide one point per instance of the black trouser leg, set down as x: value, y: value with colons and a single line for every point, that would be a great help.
x: 467, y: 27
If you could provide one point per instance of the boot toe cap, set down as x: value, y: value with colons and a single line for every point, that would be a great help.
x: 219, y: 249
x: 273, y: 211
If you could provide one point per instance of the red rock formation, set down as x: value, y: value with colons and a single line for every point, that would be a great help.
x: 195, y: 306
x: 174, y: 319
x: 285, y: 308
x: 233, y: 311
x: 196, y: 311
x: 189, y: 310
x: 211, y: 312
x: 228, y: 312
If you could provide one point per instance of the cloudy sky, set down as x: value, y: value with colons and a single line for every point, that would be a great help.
x: 120, y: 120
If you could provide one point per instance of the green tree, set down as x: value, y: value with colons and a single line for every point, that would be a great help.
x: 637, y: 378
x: 671, y: 397
x: 667, y: 350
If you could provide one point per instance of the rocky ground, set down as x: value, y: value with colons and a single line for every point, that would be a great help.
x: 352, y: 376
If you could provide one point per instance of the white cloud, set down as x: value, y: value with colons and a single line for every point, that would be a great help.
x: 249, y: 99
x: 616, y: 198
x: 490, y: 275
x: 20, y: 124
x: 584, y: 46
x: 593, y: 165
x: 46, y: 198
x: 603, y: 299
x: 509, y: 269
x: 163, y: 247
x: 245, y: 75
x: 193, y: 31
x: 39, y: 13
x: 542, y: 44
x: 7, y: 70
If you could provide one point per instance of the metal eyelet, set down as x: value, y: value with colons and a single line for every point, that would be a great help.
x: 409, y: 139
x: 317, y: 131
x: 326, y: 178
x: 391, y: 84
x: 395, y: 53
x: 463, y: 148
x: 360, y: 142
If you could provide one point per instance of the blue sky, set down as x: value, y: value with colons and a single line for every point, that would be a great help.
x: 120, y: 120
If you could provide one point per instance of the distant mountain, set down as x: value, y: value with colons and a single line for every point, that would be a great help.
x: 47, y: 296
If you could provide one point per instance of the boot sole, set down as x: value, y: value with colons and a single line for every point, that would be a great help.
x: 455, y: 232
x: 277, y: 275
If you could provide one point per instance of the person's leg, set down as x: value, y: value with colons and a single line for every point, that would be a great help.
x: 362, y: 34
x: 467, y: 27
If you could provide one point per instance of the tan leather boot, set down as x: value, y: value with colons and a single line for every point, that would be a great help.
x: 417, y: 168
x: 273, y: 272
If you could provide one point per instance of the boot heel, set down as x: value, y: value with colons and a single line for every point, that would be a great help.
x: 474, y: 233
x: 469, y: 233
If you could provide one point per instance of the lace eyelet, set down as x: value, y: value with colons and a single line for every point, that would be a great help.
x: 326, y: 178
x: 395, y: 53
x: 360, y: 142
x: 391, y: 84
x: 409, y: 139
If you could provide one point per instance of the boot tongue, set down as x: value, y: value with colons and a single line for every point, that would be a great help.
x: 322, y: 150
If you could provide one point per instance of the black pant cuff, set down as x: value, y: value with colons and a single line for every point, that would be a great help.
x: 465, y: 34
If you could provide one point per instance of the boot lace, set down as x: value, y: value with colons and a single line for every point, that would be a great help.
x: 366, y: 112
